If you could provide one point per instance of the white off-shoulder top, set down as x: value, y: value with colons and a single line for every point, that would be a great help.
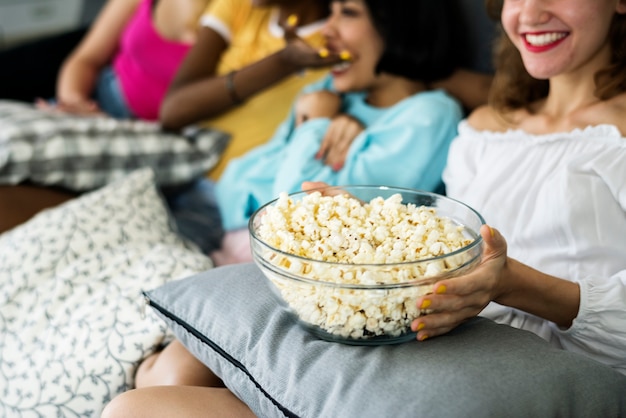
x: 560, y: 201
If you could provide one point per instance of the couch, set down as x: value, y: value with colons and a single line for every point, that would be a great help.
x: 92, y: 284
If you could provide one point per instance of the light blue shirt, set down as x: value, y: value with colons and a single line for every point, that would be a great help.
x: 404, y: 145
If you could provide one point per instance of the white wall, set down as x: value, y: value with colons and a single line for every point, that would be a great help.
x: 22, y: 20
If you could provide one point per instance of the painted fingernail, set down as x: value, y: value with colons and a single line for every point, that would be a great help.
x: 337, y: 166
x: 421, y: 326
x: 425, y: 304
x: 323, y: 52
x: 441, y: 289
x: 292, y: 20
x: 345, y: 55
x: 493, y: 233
x: 423, y: 337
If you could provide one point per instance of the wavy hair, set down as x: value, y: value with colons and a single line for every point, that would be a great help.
x: 513, y: 88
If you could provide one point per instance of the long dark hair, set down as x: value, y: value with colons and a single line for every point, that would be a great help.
x: 513, y: 88
x: 418, y: 38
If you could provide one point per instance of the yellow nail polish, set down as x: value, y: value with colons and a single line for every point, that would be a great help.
x: 421, y: 326
x: 493, y: 233
x: 425, y: 304
x: 345, y: 55
x: 441, y: 289
x: 292, y: 20
x: 323, y: 52
x: 423, y: 337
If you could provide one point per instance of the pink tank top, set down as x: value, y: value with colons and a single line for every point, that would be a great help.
x: 146, y: 64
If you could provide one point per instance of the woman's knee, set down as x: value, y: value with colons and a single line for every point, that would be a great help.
x: 127, y: 404
x: 175, y: 365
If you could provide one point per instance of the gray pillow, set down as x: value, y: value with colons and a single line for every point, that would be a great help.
x: 230, y: 319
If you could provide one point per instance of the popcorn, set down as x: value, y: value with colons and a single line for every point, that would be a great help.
x: 367, y: 244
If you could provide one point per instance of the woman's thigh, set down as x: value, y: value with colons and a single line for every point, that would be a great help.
x: 177, y: 401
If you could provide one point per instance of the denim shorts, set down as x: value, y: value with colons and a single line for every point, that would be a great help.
x: 196, y: 214
x: 192, y: 206
x: 110, y: 97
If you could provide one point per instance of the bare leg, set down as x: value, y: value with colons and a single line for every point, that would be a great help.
x: 177, y: 401
x: 175, y: 366
x: 186, y: 387
x: 235, y: 248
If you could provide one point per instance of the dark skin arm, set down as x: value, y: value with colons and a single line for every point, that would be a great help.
x: 197, y: 93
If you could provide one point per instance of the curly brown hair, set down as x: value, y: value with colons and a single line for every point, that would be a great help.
x: 513, y: 88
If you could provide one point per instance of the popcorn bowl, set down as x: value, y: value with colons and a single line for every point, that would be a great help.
x: 351, y: 261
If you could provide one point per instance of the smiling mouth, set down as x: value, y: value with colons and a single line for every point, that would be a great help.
x: 342, y: 66
x: 543, y: 39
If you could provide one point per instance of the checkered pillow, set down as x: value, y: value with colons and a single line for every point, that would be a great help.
x: 83, y: 153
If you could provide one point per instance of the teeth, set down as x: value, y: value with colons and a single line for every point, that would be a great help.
x: 544, y: 38
x: 341, y: 66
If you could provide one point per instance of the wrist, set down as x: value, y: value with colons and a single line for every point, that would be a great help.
x: 286, y: 62
x: 506, y: 288
x: 230, y: 87
x: 548, y: 297
x: 72, y: 99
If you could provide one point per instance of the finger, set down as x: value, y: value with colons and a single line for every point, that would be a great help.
x: 464, y: 285
x: 44, y: 105
x: 300, y: 119
x: 290, y: 28
x: 428, y: 326
x: 348, y: 137
x: 494, y: 247
x: 292, y: 21
x: 427, y: 333
x: 312, y: 185
x: 39, y: 102
x: 495, y: 244
x: 327, y: 143
x: 336, y: 156
x: 452, y: 302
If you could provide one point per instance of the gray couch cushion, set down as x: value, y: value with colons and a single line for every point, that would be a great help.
x: 230, y: 319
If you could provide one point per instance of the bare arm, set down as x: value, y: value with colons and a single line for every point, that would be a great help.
x: 80, y: 70
x: 197, y: 93
x: 469, y: 87
x: 503, y: 280
x: 540, y: 294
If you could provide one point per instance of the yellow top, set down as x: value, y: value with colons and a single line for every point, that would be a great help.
x: 252, y: 34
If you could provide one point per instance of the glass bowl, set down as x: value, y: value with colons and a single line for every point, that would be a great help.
x: 357, y: 282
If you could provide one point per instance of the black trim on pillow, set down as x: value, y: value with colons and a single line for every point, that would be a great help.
x: 218, y: 350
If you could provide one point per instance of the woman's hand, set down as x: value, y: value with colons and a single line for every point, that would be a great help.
x: 337, y: 140
x: 83, y: 108
x: 458, y: 299
x: 317, y: 104
x: 301, y: 54
x: 311, y: 186
x: 341, y: 132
